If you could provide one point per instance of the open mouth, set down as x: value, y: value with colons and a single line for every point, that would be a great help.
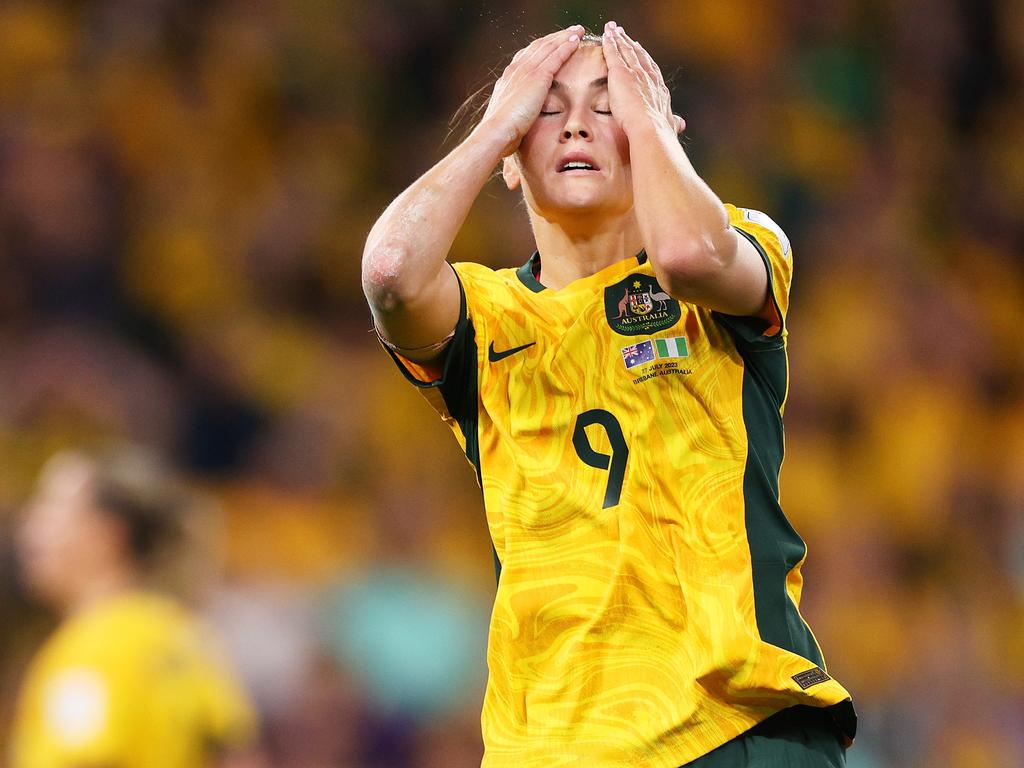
x: 577, y: 163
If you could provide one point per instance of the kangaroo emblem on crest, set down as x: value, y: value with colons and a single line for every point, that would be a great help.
x: 623, y: 305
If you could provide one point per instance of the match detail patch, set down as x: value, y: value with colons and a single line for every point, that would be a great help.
x: 811, y: 677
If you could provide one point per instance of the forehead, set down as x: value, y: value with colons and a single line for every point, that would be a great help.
x: 65, y: 478
x: 584, y: 67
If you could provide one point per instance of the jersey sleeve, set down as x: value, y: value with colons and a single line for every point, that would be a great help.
x: 767, y: 328
x: 451, y: 389
x: 231, y: 721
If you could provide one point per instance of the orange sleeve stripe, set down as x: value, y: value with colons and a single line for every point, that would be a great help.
x: 770, y: 314
x: 421, y: 371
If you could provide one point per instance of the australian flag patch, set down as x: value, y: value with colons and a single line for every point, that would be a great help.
x: 638, y: 354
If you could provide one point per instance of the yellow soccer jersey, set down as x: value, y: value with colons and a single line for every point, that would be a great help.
x: 628, y: 446
x: 131, y: 682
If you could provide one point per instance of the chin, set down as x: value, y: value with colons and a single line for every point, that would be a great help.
x: 585, y: 202
x: 38, y: 589
x: 38, y: 581
x: 582, y: 210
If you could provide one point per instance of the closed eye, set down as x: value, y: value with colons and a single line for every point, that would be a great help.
x: 603, y: 111
x: 545, y: 114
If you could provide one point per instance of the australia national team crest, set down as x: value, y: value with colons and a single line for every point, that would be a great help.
x: 637, y: 306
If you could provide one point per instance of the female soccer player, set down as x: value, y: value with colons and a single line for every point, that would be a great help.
x: 620, y: 396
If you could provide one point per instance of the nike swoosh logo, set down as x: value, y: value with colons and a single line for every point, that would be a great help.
x: 494, y: 357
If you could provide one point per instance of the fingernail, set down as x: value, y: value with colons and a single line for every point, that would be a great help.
x: 610, y: 25
x: 574, y: 38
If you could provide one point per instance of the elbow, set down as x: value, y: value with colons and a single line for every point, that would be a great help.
x: 687, y: 263
x: 383, y: 269
x: 681, y: 269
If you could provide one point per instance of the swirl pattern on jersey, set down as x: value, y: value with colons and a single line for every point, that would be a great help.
x: 632, y: 634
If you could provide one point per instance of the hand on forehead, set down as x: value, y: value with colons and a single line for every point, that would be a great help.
x: 583, y: 69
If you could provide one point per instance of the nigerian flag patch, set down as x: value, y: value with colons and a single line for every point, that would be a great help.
x: 674, y: 347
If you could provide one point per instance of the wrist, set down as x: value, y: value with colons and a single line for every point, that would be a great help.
x: 493, y: 139
x: 650, y: 126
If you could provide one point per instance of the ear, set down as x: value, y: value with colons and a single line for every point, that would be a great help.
x: 510, y: 172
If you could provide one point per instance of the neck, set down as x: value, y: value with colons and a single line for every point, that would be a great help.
x: 98, y: 588
x: 584, y: 245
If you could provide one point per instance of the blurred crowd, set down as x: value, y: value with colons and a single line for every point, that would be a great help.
x: 185, y: 186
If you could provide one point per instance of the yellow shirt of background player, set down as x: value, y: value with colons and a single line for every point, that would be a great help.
x: 131, y: 681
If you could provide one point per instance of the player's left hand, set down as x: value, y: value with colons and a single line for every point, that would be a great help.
x: 636, y: 88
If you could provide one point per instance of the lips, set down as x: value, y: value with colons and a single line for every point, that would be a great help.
x: 577, y: 161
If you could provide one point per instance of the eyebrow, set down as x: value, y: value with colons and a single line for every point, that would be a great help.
x: 599, y: 83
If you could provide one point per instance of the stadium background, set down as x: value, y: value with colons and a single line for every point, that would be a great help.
x: 184, y: 192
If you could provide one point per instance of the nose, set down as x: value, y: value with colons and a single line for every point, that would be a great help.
x: 576, y: 126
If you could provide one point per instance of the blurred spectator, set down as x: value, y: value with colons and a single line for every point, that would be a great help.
x: 414, y: 635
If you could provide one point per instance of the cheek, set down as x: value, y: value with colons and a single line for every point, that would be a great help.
x: 622, y: 147
x: 526, y: 155
x: 51, y: 536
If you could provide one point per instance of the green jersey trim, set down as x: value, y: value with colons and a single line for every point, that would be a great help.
x: 458, y: 387
x: 775, y: 546
x: 527, y: 273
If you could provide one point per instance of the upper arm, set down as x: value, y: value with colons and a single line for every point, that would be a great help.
x: 737, y: 271
x: 726, y: 276
x: 413, y: 318
x: 770, y: 245
x: 741, y: 286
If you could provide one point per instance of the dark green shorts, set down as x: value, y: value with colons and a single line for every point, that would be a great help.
x: 799, y: 737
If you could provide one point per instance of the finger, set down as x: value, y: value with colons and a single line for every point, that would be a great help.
x: 526, y: 51
x: 653, y: 71
x: 559, y: 55
x: 526, y: 59
x: 646, y: 60
x: 609, y: 42
x: 626, y: 49
x: 542, y: 47
x: 680, y: 124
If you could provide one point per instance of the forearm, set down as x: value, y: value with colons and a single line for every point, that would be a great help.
x: 407, y: 246
x: 697, y: 256
x: 681, y: 218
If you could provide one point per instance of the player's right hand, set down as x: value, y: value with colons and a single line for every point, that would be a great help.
x: 520, y: 92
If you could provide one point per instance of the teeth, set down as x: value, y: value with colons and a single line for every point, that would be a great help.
x: 576, y: 165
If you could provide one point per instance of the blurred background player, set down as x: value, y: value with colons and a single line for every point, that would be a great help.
x: 130, y: 678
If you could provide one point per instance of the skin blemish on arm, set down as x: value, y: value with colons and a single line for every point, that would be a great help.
x: 383, y: 266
